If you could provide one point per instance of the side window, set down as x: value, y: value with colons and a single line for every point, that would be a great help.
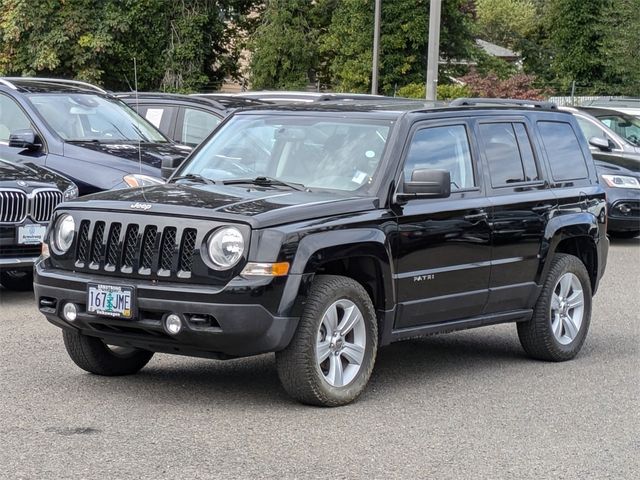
x: 509, y: 154
x: 160, y: 116
x: 442, y: 148
x: 563, y: 149
x: 590, y: 130
x: 197, y: 125
x: 12, y: 118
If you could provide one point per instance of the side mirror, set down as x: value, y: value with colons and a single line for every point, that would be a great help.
x: 427, y: 183
x: 600, y: 143
x: 26, y: 139
x: 169, y: 165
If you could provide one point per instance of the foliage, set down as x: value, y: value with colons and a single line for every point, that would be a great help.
x: 445, y: 91
x: 517, y: 86
x: 403, y: 42
x: 488, y: 64
x: 178, y: 45
x: 505, y: 22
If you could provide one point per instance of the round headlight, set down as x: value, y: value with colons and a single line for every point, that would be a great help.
x: 63, y: 234
x: 225, y: 247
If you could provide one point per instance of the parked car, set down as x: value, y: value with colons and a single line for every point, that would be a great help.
x: 620, y: 176
x: 628, y: 105
x: 592, y: 128
x: 28, y: 195
x: 82, y: 132
x: 322, y: 232
x: 309, y: 97
x: 625, y: 125
x: 186, y: 119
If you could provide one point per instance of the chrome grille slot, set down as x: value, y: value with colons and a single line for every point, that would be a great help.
x: 129, y: 249
x: 187, y: 248
x: 113, y: 247
x: 167, y: 250
x: 148, y: 246
x: 42, y: 204
x: 83, y: 244
x: 13, y: 206
x: 96, y: 245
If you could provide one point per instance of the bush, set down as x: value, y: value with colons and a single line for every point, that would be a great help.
x: 445, y: 91
x: 517, y: 86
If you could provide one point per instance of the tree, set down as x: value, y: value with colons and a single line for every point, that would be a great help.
x: 505, y: 22
x: 404, y: 27
x: 490, y: 86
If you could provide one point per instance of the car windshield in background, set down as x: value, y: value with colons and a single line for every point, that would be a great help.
x: 315, y: 152
x: 626, y: 126
x: 85, y: 117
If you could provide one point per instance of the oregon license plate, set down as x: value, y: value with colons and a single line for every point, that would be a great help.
x: 31, y: 234
x: 110, y: 300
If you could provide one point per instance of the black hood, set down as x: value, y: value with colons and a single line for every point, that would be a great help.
x: 126, y: 153
x: 30, y: 177
x: 627, y: 164
x: 257, y: 206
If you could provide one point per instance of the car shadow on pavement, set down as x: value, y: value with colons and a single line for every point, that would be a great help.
x: 10, y: 298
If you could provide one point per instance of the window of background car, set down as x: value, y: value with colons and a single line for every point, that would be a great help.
x: 160, y: 116
x: 318, y: 152
x: 442, y: 148
x: 12, y: 118
x: 509, y: 154
x: 626, y: 126
x: 88, y: 117
x: 564, y: 151
x: 590, y: 130
x: 197, y: 125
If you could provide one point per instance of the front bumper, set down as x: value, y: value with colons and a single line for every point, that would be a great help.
x: 624, y: 210
x: 235, y: 323
x: 15, y: 256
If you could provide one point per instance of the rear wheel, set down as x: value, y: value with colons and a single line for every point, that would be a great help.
x: 17, y: 280
x: 562, y: 314
x: 331, y: 356
x: 95, y: 356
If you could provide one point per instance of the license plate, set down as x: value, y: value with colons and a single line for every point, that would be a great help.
x: 110, y: 300
x: 31, y: 234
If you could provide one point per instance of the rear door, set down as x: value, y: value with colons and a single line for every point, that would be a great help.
x: 443, y: 252
x: 522, y: 203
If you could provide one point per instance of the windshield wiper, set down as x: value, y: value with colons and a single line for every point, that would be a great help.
x: 268, y: 182
x: 196, y: 177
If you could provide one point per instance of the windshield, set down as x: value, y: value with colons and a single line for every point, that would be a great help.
x: 626, y: 126
x: 87, y: 117
x: 316, y: 152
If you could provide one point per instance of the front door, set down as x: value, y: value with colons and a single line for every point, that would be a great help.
x: 12, y: 118
x: 444, y: 251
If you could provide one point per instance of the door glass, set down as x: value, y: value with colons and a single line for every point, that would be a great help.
x: 442, y: 148
x: 590, y: 130
x: 564, y: 152
x: 161, y: 117
x: 503, y: 154
x: 12, y: 118
x: 526, y: 153
x: 197, y: 125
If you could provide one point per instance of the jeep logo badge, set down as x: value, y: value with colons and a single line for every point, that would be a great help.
x: 141, y: 206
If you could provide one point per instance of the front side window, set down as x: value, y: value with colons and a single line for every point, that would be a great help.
x: 86, y: 117
x: 12, y: 118
x: 563, y: 149
x: 442, y: 148
x: 197, y: 125
x: 626, y: 126
x: 317, y: 152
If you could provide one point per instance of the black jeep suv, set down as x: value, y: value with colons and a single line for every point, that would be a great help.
x: 28, y: 195
x: 322, y: 232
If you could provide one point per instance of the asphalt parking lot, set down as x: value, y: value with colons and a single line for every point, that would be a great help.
x: 463, y: 405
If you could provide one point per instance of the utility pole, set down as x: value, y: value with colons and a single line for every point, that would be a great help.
x: 376, y: 48
x: 433, y: 51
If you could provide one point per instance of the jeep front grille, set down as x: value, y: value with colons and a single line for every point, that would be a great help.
x: 146, y: 250
x: 16, y: 205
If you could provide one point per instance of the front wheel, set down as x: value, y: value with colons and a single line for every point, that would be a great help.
x: 93, y: 355
x: 562, y: 314
x: 331, y: 356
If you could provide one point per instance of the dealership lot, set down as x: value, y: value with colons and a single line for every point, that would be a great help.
x: 463, y: 405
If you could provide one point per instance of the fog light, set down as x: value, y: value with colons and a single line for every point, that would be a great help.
x: 70, y: 312
x: 173, y: 324
x: 624, y: 208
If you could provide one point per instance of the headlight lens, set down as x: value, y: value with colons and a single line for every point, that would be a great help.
x: 140, y: 180
x: 225, y: 247
x: 63, y: 233
x: 621, y: 181
x: 70, y: 193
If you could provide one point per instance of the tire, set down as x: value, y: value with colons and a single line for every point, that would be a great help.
x: 93, y: 355
x: 17, y: 280
x: 350, y: 357
x: 553, y: 333
x: 627, y: 234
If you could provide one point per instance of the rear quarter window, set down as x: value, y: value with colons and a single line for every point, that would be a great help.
x: 563, y: 150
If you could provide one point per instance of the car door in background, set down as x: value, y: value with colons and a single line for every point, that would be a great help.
x: 12, y: 119
x: 194, y: 125
x: 163, y: 117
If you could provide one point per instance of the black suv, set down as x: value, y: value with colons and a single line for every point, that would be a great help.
x: 186, y: 119
x: 322, y: 232
x: 82, y: 132
x: 28, y: 195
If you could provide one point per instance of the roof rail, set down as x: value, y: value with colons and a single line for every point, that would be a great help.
x: 60, y: 80
x: 7, y: 83
x: 463, y: 102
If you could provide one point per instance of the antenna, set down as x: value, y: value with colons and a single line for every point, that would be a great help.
x: 135, y: 84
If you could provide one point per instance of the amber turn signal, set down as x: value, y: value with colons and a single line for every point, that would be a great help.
x: 279, y: 269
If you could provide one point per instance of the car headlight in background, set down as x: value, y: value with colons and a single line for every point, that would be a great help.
x: 63, y: 233
x: 225, y: 247
x: 140, y: 180
x: 621, y: 181
x: 70, y: 193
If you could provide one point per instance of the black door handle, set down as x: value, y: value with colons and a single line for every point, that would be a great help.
x: 476, y: 216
